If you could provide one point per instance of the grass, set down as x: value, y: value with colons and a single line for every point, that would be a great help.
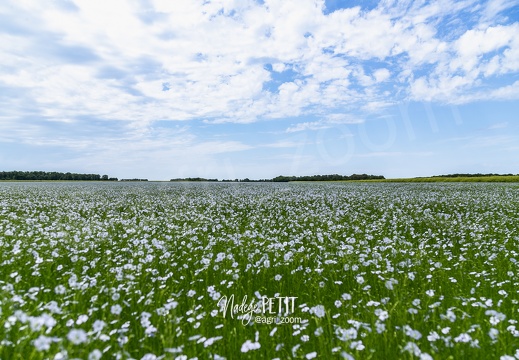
x: 513, y: 178
x: 379, y: 270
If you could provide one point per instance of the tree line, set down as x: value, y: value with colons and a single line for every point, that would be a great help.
x: 54, y: 175
x: 334, y: 177
x: 194, y: 179
x: 471, y: 175
x: 281, y: 178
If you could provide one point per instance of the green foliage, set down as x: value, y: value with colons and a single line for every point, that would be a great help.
x: 46, y: 176
x: 193, y: 179
x: 499, y: 178
x: 334, y: 177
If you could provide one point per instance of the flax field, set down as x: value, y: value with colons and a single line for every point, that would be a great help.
x: 259, y: 270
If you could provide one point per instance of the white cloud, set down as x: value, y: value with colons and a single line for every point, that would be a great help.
x: 330, y: 121
x: 509, y: 92
x: 184, y: 60
x: 337, y: 118
x: 501, y: 125
x: 278, y: 67
x: 285, y: 144
x: 493, y: 8
x: 473, y: 44
x: 314, y: 125
x: 381, y: 75
x: 463, y: 75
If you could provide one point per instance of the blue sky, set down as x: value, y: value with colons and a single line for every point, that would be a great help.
x: 228, y: 89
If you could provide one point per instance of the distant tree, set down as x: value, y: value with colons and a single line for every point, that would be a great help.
x: 333, y: 177
x: 49, y: 176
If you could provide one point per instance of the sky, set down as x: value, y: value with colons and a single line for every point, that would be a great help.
x: 226, y: 89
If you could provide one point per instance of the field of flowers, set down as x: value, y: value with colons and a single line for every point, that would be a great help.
x: 259, y: 271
